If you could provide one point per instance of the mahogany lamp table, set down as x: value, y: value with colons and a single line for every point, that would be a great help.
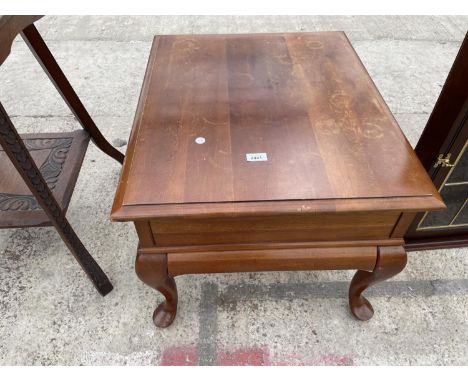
x: 266, y: 152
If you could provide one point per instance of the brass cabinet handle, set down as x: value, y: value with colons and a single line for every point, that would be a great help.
x: 443, y: 162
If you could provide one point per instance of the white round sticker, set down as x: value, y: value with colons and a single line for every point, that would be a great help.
x: 200, y: 140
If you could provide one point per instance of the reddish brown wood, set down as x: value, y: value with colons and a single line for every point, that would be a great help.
x: 271, y: 246
x: 38, y: 206
x: 437, y: 242
x: 43, y: 55
x: 18, y: 154
x: 264, y: 229
x: 10, y: 27
x: 270, y: 208
x: 303, y: 98
x: 340, y: 180
x: 402, y: 224
x: 59, y: 157
x: 145, y: 234
x: 390, y: 261
x: 272, y: 260
x: 152, y: 270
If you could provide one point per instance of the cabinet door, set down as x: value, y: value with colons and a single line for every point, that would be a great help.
x: 443, y: 151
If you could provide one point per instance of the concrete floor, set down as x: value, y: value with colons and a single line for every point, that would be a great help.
x: 50, y: 313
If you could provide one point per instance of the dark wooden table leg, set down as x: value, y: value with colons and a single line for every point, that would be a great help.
x: 15, y: 149
x: 390, y: 261
x: 152, y: 270
x: 42, y: 53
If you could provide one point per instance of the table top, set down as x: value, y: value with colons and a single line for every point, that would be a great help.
x: 10, y: 27
x: 230, y: 124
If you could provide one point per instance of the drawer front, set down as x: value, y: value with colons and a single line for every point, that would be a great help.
x: 286, y: 228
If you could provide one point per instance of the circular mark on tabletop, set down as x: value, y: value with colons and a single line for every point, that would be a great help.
x: 314, y: 44
x: 185, y: 44
x: 372, y: 130
x: 340, y: 100
x: 200, y: 140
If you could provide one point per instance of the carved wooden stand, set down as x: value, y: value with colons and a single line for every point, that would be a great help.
x: 42, y: 208
x: 42, y: 53
x: 20, y: 157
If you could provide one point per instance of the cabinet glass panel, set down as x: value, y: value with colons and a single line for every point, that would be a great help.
x: 454, y: 192
x: 462, y: 217
x: 460, y: 171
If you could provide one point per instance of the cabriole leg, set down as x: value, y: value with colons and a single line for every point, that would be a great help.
x: 390, y: 261
x: 152, y: 270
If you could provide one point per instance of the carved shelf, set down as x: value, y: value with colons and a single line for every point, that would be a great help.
x: 59, y: 157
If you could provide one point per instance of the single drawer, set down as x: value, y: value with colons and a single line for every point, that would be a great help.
x: 284, y: 228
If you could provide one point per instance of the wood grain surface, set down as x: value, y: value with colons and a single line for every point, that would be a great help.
x: 272, y: 260
x: 10, y: 27
x: 336, y: 188
x: 59, y: 157
x: 264, y: 229
x: 304, y: 99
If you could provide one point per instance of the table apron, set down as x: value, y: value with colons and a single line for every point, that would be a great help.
x: 272, y: 260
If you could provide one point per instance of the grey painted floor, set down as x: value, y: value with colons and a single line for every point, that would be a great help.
x: 50, y: 313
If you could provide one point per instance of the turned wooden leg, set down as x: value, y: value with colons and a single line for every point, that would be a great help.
x: 152, y: 270
x: 390, y: 261
x: 43, y: 55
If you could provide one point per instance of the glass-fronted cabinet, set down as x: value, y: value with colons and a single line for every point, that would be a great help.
x: 454, y: 192
x: 443, y: 151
